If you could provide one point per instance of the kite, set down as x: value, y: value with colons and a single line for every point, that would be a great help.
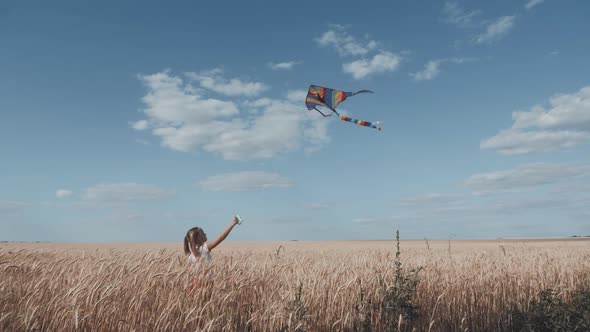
x: 330, y: 98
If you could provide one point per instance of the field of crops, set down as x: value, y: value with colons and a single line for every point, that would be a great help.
x: 285, y: 286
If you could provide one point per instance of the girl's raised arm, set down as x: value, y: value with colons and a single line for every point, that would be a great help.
x: 223, y: 235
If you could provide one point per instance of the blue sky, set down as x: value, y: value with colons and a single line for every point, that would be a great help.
x: 135, y: 121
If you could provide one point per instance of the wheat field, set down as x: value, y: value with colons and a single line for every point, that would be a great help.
x: 282, y: 286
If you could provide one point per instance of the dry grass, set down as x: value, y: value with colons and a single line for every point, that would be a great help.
x: 311, y: 286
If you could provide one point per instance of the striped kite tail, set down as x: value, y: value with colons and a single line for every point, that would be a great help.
x: 361, y: 122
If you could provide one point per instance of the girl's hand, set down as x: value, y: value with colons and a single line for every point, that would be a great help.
x: 237, y: 220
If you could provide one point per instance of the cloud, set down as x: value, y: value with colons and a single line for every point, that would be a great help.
x: 345, y: 44
x: 532, y: 3
x: 529, y: 204
x: 279, y: 220
x: 383, y: 221
x: 526, y: 176
x: 430, y: 71
x: 124, y: 192
x: 564, y: 124
x: 283, y: 65
x: 496, y: 30
x: 63, y: 193
x: 282, y: 126
x: 140, y: 125
x: 493, y: 31
x: 366, y: 221
x: 432, y: 68
x: 316, y: 206
x: 456, y: 15
x: 515, y: 142
x: 373, y: 59
x: 245, y: 181
x: 171, y: 103
x: 382, y: 62
x: 296, y: 95
x: 576, y: 189
x: 568, y: 111
x: 12, y: 208
x: 431, y: 199
x: 537, y: 191
x: 186, y: 120
x: 484, y: 209
x: 212, y: 80
x: 142, y: 141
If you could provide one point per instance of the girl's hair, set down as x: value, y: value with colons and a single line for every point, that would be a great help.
x: 190, y: 239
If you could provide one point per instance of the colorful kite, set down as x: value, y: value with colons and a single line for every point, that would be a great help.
x: 330, y: 98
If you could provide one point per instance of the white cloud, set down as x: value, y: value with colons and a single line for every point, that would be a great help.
x: 260, y: 102
x: 461, y: 60
x: 565, y: 124
x: 283, y: 126
x: 532, y: 3
x: 140, y: 125
x: 296, y: 96
x: 567, y: 111
x: 365, y: 221
x: 382, y: 62
x: 316, y: 206
x: 430, y: 71
x: 245, y: 181
x: 456, y: 15
x: 379, y: 221
x: 170, y: 102
x: 120, y: 192
x: 479, y: 207
x: 432, y: 68
x: 431, y: 199
x: 483, y: 210
x: 529, y: 204
x: 283, y: 65
x: 185, y: 120
x: 316, y: 134
x: 63, y: 193
x: 497, y: 29
x: 516, y: 142
x: 526, y: 176
x: 12, y: 208
x: 267, y: 135
x: 279, y: 220
x: 345, y: 44
x: 373, y: 58
x: 142, y: 141
x: 577, y: 189
x: 212, y: 80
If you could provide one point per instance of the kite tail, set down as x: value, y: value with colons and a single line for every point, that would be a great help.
x: 360, y: 91
x: 361, y: 122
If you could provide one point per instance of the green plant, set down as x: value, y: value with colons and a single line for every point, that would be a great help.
x: 551, y: 313
x: 363, y: 313
x: 396, y: 303
x: 296, y: 312
x: 395, y: 306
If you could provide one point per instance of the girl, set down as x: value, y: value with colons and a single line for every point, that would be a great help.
x: 198, y: 249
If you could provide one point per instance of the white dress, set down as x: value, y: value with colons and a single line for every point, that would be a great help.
x: 205, y: 255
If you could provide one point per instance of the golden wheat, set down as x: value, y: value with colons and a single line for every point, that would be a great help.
x: 311, y: 286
